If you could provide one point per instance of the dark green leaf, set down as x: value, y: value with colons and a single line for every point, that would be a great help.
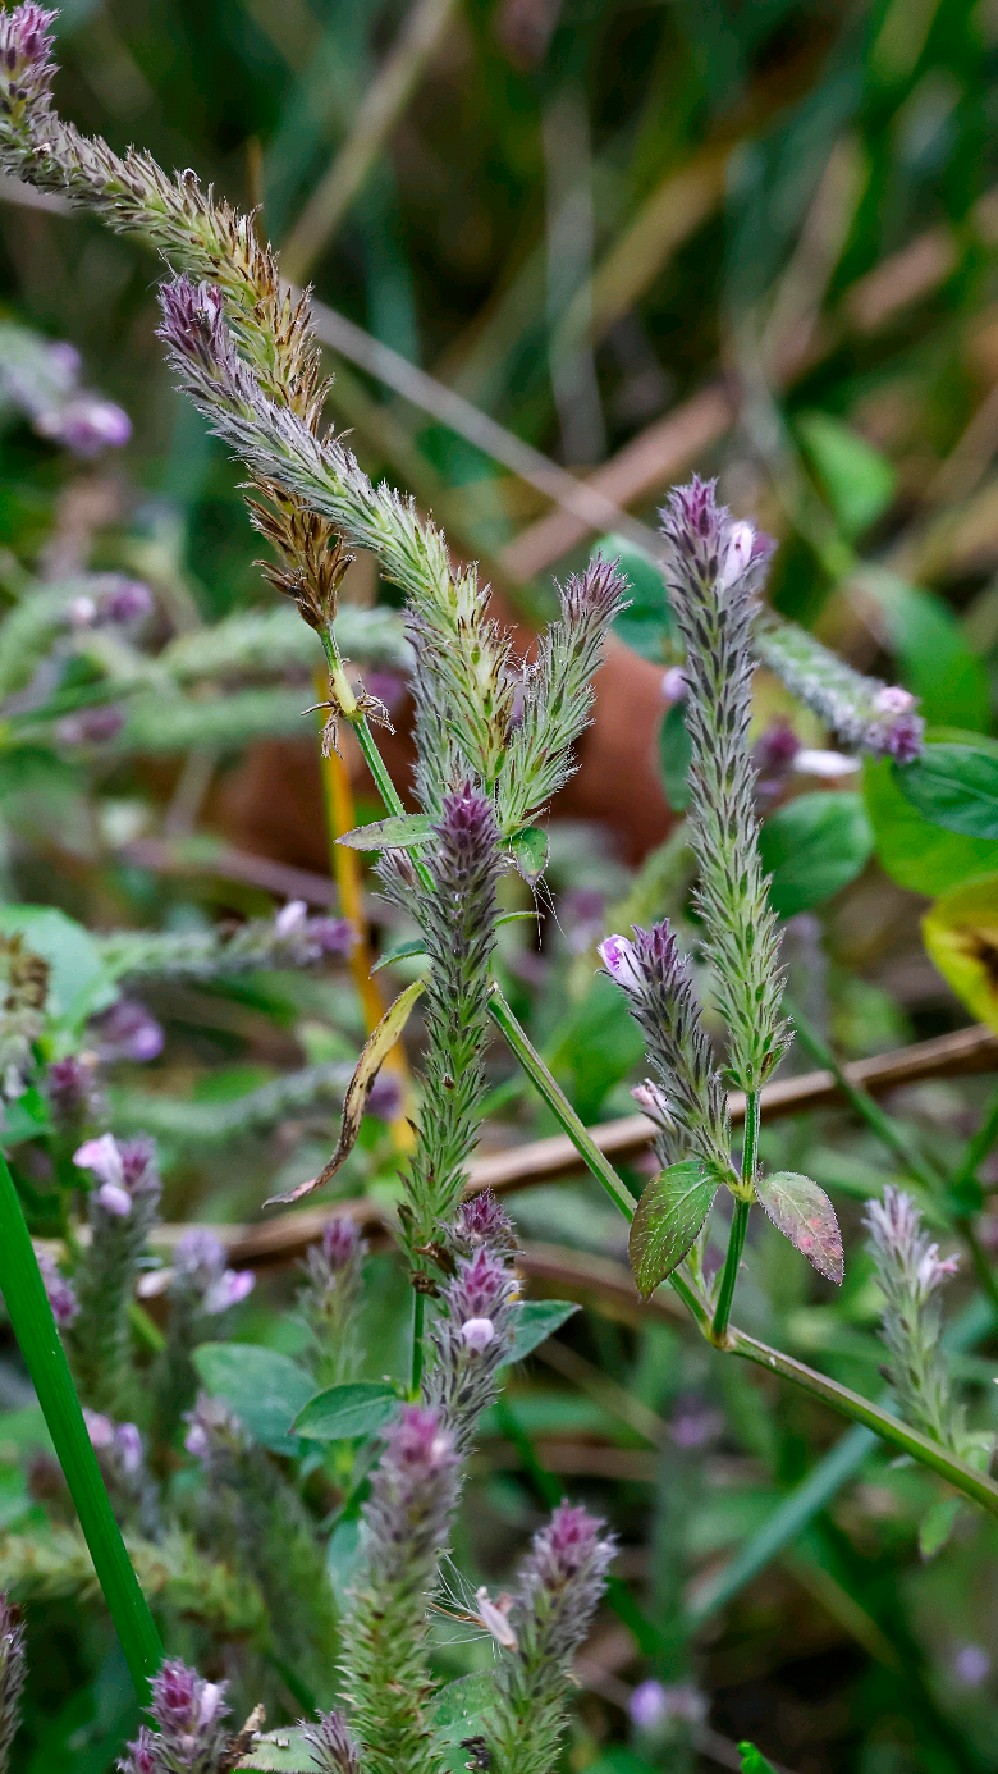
x: 804, y: 1214
x: 536, y: 1320
x: 402, y: 832
x: 955, y: 786
x: 674, y: 751
x: 669, y: 1215
x: 813, y: 847
x: 856, y: 479
x: 647, y: 623
x: 266, y: 1390
x: 459, y: 1712
x: 530, y: 853
x: 346, y: 1413
x: 917, y: 854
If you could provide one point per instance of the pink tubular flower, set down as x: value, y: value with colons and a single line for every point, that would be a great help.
x: 620, y: 960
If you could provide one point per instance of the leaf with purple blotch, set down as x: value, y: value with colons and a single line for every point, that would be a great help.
x: 804, y: 1214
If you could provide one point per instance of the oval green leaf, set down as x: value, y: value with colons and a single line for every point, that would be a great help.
x: 813, y: 847
x: 803, y: 1213
x: 916, y: 854
x: 265, y: 1389
x: 402, y: 832
x: 961, y: 937
x: 529, y: 850
x: 669, y: 1215
x: 346, y: 1413
x: 534, y: 1323
x: 955, y: 786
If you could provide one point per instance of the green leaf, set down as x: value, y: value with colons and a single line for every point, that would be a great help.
x: 529, y: 850
x: 267, y: 1390
x: 753, y: 1760
x: 459, y: 1711
x: 79, y: 981
x: 647, y: 624
x: 803, y: 1213
x: 402, y: 832
x: 669, y: 1215
x: 857, y: 480
x: 346, y: 1413
x: 280, y: 1752
x: 413, y: 949
x: 536, y: 1320
x: 674, y: 752
x: 813, y: 847
x: 916, y: 854
x: 937, y: 1525
x: 955, y: 786
x: 938, y: 664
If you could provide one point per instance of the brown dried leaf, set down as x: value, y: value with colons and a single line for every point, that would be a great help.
x: 376, y: 1050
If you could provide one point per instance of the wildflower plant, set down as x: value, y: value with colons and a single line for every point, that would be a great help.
x: 494, y: 740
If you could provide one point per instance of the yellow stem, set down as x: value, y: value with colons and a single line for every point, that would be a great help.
x: 345, y: 866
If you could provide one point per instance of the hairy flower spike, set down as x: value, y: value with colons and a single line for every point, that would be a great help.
x: 865, y: 713
x: 26, y: 67
x: 457, y: 917
x: 714, y: 568
x: 911, y: 1272
x: 560, y: 1585
x: 690, y: 1102
x: 557, y: 694
x: 406, y: 1523
x: 332, y: 1746
x: 12, y: 1669
x: 256, y: 1512
x: 471, y: 1339
x: 329, y: 1301
x: 190, y: 1734
x: 122, y: 1208
x: 483, y: 1223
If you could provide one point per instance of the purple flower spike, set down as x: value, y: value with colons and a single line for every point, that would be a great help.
x: 26, y: 68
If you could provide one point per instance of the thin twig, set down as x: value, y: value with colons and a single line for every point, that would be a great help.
x: 961, y: 1054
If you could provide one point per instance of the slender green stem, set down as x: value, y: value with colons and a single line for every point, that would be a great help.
x: 34, y: 1326
x: 739, y: 1221
x: 975, y: 1485
x: 964, y: 1188
x: 558, y: 1103
x: 418, y: 1331
x: 729, y: 1274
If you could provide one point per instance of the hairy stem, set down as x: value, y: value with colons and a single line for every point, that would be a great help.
x: 975, y: 1485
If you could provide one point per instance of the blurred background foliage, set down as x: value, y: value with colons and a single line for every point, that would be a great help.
x: 755, y: 239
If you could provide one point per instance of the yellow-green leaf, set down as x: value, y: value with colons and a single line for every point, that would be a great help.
x: 961, y: 936
x: 376, y: 1050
